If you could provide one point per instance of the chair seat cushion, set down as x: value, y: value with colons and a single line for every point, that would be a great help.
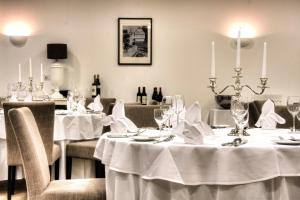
x: 82, y: 149
x: 76, y: 189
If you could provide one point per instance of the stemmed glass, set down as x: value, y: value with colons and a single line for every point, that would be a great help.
x: 178, y: 105
x: 293, y: 106
x: 160, y: 117
x: 239, y: 112
x: 166, y: 104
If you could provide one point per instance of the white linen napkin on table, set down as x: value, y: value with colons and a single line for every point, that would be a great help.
x: 81, y: 106
x: 268, y: 118
x: 192, y: 129
x: 96, y: 106
x: 118, y: 122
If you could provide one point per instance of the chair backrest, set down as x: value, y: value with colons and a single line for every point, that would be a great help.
x: 44, y: 115
x: 32, y: 150
x: 141, y: 115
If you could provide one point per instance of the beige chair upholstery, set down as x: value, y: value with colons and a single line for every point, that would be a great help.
x: 44, y: 115
x: 86, y: 149
x: 141, y: 115
x: 35, y: 164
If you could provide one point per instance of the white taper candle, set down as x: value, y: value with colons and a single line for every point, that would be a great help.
x: 20, y: 74
x: 42, y: 73
x: 238, y: 49
x: 213, y: 62
x: 30, y: 68
x: 264, y: 63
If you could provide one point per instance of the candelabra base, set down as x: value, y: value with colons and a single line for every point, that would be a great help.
x: 236, y: 132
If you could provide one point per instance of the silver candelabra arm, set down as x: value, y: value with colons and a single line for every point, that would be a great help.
x: 263, y: 86
x: 212, y: 86
x: 237, y: 87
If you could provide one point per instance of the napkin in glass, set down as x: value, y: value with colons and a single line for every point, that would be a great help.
x: 118, y: 122
x: 96, y: 106
x: 268, y: 118
x: 192, y: 129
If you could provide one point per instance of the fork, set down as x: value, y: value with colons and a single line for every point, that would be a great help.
x: 167, y: 139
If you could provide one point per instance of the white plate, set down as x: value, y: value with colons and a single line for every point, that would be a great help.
x: 286, y: 142
x: 141, y: 138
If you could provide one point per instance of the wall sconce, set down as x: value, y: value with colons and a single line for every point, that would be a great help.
x: 247, y: 34
x: 17, y: 33
x: 18, y: 41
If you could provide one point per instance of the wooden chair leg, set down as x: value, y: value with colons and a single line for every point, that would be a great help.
x: 57, y: 169
x: 68, y: 167
x: 11, y: 179
x: 99, y: 169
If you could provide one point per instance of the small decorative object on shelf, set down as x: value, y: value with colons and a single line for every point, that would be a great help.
x: 98, y: 89
x: 155, y: 95
x: 139, y: 96
x: 160, y: 95
x: 144, y: 96
x: 237, y: 86
x: 94, y: 87
x: 223, y: 101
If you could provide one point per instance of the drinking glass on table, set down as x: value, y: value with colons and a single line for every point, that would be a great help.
x: 166, y: 104
x: 178, y: 105
x: 160, y: 117
x: 293, y: 106
x: 239, y: 112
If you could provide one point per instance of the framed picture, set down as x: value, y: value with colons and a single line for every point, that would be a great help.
x: 135, y: 41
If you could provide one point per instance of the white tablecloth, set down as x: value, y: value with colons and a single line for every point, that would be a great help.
x: 67, y: 127
x: 180, y: 171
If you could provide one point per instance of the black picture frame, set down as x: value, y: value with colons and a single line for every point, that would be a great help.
x: 135, y: 41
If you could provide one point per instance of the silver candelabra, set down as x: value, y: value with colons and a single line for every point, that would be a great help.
x: 237, y: 87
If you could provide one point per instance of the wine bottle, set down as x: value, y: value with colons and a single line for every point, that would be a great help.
x: 139, y: 96
x: 94, y: 87
x: 144, y: 96
x: 98, y: 89
x: 160, y: 95
x: 155, y: 94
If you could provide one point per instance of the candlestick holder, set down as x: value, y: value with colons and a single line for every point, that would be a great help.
x: 237, y: 88
x: 41, y: 94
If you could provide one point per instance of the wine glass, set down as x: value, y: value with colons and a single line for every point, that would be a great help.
x: 160, y: 117
x: 178, y: 105
x: 293, y: 106
x: 239, y: 112
x: 167, y: 102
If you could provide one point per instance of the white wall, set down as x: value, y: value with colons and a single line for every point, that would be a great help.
x: 182, y: 33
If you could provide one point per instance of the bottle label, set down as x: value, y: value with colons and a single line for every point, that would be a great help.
x: 94, y: 90
x: 138, y: 99
x: 144, y: 100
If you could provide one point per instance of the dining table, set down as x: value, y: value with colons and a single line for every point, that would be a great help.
x: 264, y: 167
x: 68, y: 127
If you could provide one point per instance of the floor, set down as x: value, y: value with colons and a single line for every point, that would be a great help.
x: 20, y: 190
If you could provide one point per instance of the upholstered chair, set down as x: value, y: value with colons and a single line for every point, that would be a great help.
x: 44, y: 115
x: 141, y: 115
x: 35, y: 164
x: 85, y: 149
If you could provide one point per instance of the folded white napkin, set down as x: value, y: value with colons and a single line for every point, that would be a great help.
x: 96, y: 106
x: 118, y: 122
x: 81, y: 106
x: 192, y: 129
x: 268, y: 118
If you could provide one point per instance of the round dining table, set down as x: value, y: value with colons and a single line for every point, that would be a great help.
x: 265, y: 168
